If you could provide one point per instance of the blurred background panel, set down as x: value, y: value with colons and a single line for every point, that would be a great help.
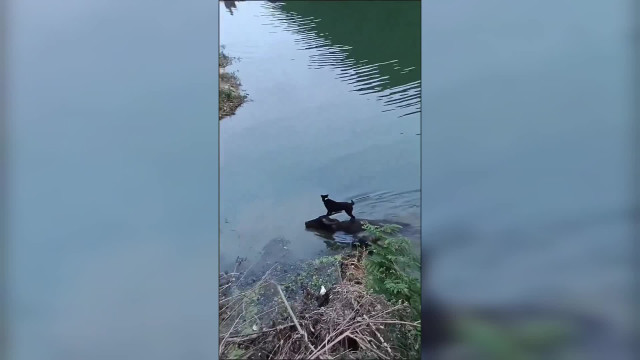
x: 527, y: 157
x: 113, y: 180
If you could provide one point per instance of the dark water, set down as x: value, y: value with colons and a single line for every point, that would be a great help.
x: 334, y: 109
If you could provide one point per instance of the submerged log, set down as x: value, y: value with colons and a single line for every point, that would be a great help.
x: 353, y: 227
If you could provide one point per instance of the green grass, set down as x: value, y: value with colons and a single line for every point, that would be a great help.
x: 390, y: 266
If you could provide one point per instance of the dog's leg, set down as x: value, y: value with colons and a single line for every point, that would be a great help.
x: 350, y: 213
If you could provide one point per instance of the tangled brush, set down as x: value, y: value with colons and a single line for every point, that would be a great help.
x: 353, y: 324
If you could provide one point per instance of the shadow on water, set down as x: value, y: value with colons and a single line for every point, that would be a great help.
x: 388, y: 67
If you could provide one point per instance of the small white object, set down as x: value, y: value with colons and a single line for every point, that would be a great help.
x: 322, y: 290
x: 255, y: 327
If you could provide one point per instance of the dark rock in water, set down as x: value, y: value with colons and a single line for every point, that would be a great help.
x: 346, y: 231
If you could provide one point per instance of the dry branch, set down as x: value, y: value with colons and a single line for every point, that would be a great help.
x: 349, y: 326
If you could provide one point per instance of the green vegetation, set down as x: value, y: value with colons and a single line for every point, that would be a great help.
x: 230, y: 97
x: 364, y: 317
x: 390, y: 267
x: 392, y: 270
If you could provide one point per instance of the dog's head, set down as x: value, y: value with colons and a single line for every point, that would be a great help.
x: 324, y: 197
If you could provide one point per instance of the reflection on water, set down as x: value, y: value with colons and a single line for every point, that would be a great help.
x: 379, y: 55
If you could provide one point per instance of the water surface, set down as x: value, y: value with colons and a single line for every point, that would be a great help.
x: 334, y: 109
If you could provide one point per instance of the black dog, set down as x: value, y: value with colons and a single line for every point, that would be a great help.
x: 335, y: 207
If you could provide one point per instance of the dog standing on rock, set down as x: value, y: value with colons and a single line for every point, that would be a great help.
x: 335, y: 207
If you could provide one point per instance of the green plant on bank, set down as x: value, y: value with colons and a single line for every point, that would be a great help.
x: 390, y: 267
x: 229, y: 90
x: 230, y: 96
x: 229, y: 100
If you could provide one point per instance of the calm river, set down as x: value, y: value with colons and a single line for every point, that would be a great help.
x: 335, y: 108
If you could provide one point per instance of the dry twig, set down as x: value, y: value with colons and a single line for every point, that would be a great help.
x: 286, y: 303
x: 349, y: 322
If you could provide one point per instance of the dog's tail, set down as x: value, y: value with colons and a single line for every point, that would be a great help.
x: 352, y: 203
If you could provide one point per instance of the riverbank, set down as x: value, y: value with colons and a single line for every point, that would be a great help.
x: 230, y: 95
x: 330, y: 307
x: 323, y: 310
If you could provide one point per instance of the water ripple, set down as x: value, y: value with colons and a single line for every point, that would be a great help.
x: 365, y: 78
